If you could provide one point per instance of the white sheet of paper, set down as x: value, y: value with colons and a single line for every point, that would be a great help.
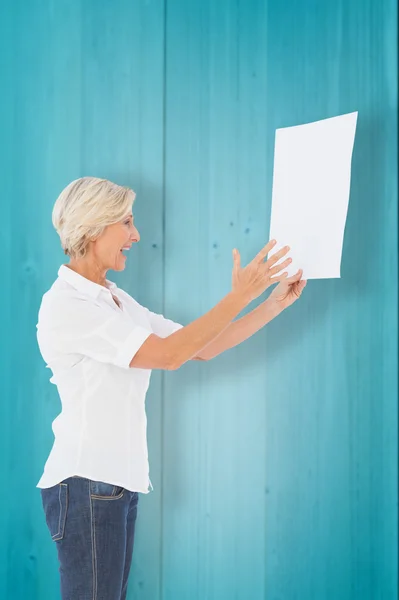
x: 311, y: 184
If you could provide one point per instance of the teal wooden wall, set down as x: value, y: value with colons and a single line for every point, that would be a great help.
x: 275, y: 465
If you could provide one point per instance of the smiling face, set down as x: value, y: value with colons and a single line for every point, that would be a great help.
x: 109, y: 250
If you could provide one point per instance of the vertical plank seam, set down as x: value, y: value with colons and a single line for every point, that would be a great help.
x: 164, y: 115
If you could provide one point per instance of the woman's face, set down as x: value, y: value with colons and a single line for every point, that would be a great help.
x: 110, y: 249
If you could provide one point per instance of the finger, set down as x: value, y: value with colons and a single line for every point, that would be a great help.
x: 236, y: 258
x: 280, y: 267
x: 260, y: 257
x: 279, y: 278
x: 295, y: 277
x: 299, y: 287
x: 276, y: 257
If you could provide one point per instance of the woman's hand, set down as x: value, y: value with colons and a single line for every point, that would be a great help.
x: 288, y: 291
x: 252, y: 280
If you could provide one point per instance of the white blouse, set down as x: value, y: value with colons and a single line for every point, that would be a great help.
x: 88, y: 343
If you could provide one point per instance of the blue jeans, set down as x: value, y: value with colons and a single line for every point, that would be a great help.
x: 92, y: 524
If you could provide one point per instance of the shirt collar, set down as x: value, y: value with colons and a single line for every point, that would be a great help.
x: 82, y: 283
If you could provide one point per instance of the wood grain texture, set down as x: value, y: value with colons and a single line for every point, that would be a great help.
x: 275, y: 464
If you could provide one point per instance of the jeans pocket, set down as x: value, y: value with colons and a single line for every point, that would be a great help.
x: 105, y: 491
x: 55, y: 504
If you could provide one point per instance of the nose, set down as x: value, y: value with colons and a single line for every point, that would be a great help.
x: 135, y: 236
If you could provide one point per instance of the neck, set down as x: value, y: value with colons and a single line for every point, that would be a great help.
x: 88, y: 269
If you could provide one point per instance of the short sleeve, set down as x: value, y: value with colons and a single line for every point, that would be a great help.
x: 162, y: 326
x: 77, y: 325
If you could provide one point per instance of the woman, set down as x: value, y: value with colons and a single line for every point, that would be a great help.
x: 101, y: 345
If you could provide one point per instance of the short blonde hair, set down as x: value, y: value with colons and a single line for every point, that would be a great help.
x: 85, y: 208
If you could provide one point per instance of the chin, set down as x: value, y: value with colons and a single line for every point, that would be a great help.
x: 119, y: 267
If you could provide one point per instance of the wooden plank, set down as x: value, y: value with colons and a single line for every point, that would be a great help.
x: 87, y: 85
x: 333, y: 359
x: 215, y: 413
x: 122, y: 112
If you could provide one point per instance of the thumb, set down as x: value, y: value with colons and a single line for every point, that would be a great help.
x: 295, y: 277
x: 302, y: 284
